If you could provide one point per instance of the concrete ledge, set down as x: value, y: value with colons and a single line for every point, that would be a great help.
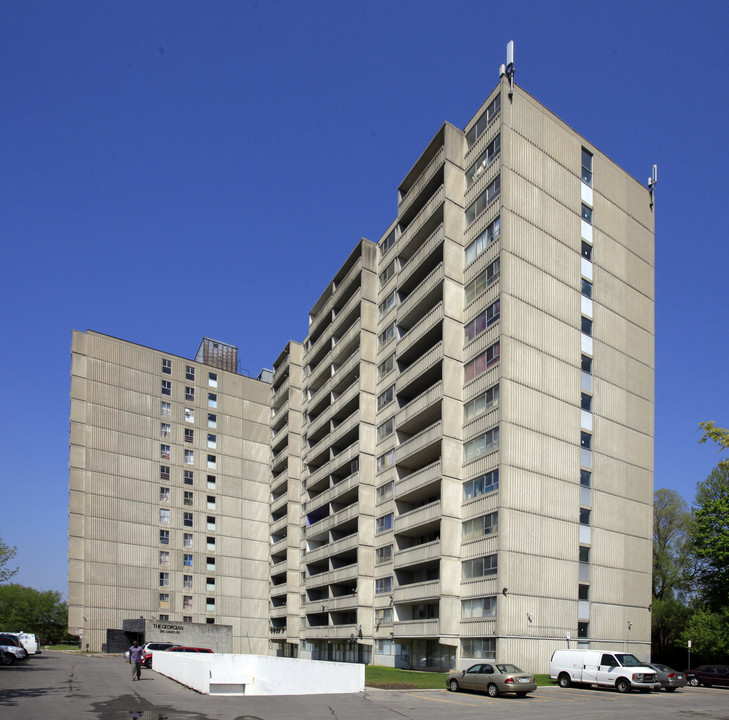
x: 227, y: 674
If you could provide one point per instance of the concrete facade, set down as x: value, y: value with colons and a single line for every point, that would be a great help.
x: 169, y: 493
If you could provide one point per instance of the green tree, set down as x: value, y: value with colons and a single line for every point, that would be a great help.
x: 668, y: 618
x: 24, y: 609
x: 716, y: 434
x: 7, y: 553
x: 711, y: 536
x: 708, y: 632
x: 673, y: 562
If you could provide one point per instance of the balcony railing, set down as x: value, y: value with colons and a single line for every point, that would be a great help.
x: 420, y: 516
x: 430, y: 169
x: 417, y: 591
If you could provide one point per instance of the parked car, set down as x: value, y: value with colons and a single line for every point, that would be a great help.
x: 669, y: 678
x: 28, y: 641
x: 492, y: 678
x: 608, y: 668
x: 178, y: 648
x: 708, y: 675
x: 149, y: 649
x: 11, y: 649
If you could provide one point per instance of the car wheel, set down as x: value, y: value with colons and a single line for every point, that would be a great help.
x: 11, y: 658
x: 148, y: 663
x: 670, y: 689
x: 453, y: 685
x: 492, y: 690
x: 694, y: 682
x: 564, y: 680
x: 622, y: 685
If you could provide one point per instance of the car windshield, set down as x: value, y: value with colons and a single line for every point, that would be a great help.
x: 507, y: 669
x: 628, y: 660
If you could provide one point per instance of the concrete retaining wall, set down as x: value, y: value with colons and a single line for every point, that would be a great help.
x: 227, y: 674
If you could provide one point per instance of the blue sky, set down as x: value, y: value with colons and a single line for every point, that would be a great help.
x: 157, y: 155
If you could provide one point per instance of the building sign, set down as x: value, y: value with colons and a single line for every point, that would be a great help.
x: 166, y: 629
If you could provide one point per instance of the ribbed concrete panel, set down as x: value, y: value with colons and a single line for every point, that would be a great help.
x: 622, y: 480
x: 528, y: 533
x: 623, y: 408
x: 624, y: 372
x: 541, y: 454
x: 621, y: 262
x: 534, y: 576
x: 621, y: 586
x: 626, y: 231
x: 623, y: 191
x: 619, y: 441
x: 624, y: 300
x: 624, y: 336
x: 544, y: 496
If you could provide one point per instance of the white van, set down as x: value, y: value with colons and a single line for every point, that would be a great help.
x: 29, y: 641
x: 608, y: 668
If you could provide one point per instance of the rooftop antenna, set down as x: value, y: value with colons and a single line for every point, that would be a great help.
x: 652, y: 180
x: 508, y: 69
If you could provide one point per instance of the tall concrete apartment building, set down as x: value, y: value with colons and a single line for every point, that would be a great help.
x: 461, y: 448
x: 169, y: 492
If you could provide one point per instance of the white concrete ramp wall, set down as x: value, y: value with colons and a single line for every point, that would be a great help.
x: 227, y: 674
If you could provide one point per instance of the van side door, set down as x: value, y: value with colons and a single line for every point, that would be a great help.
x: 607, y: 672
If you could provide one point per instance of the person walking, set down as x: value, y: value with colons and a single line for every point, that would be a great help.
x: 135, y: 659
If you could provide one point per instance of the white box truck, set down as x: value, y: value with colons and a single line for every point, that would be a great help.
x: 607, y: 668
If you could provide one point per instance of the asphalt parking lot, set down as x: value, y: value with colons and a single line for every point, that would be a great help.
x: 67, y: 686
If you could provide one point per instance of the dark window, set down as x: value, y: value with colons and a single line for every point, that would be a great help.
x: 583, y: 629
x: 587, y: 364
x: 586, y: 288
x: 586, y: 326
x: 586, y: 402
x: 586, y: 167
x: 585, y: 440
x: 587, y: 213
x: 584, y: 516
x: 585, y: 478
x: 587, y: 251
x: 584, y: 554
x: 583, y: 592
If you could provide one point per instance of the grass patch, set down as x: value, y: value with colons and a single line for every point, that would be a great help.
x: 59, y: 647
x: 396, y: 679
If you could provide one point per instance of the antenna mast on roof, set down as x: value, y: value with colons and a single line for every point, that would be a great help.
x: 652, y: 180
x: 508, y: 69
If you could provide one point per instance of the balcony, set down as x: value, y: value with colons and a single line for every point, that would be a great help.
x: 417, y: 443
x: 349, y: 365
x: 421, y: 219
x: 427, y: 361
x: 419, y: 405
x: 422, y: 516
x: 418, y: 480
x: 333, y: 492
x: 277, y: 612
x: 343, y: 459
x: 416, y: 628
x: 323, y: 418
x: 423, y: 179
x: 279, y: 396
x: 417, y: 554
x: 329, y: 632
x: 331, y: 577
x: 422, y: 299
x: 278, y: 460
x: 420, y: 329
x: 417, y: 592
x: 279, y: 525
x: 422, y: 255
x: 333, y: 548
x: 332, y: 521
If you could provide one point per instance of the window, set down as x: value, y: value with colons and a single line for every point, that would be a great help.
x: 383, y: 615
x: 210, y: 621
x: 483, y: 320
x: 387, y: 243
x: 481, y: 362
x: 586, y: 402
x: 385, y: 461
x: 383, y: 585
x: 384, y: 523
x: 187, y: 540
x: 210, y: 542
x: 585, y: 478
x: 165, y: 409
x: 583, y: 592
x: 187, y: 519
x: 386, y: 397
x: 187, y: 560
x: 210, y: 604
x: 479, y: 567
x: 187, y: 618
x: 481, y: 485
x: 383, y: 554
x: 587, y: 251
x: 189, y: 457
x: 189, y: 435
x: 587, y: 364
x: 387, y: 304
x: 212, y: 441
x: 387, y: 274
x: 164, y: 600
x: 478, y: 607
x: 164, y: 579
x: 164, y: 557
x: 189, y: 415
x: 481, y: 445
x: 386, y: 335
x: 584, y: 516
x: 386, y: 429
x: 481, y: 404
x: 586, y: 326
x: 483, y: 200
x: 189, y: 372
x: 479, y: 167
x: 211, y: 502
x: 164, y: 618
x: 385, y: 491
x: 584, y: 554
x: 479, y: 648
x: 164, y: 494
x: 213, y: 379
x: 586, y: 440
x: 479, y: 284
x: 212, y: 462
x: 164, y: 537
x: 164, y: 452
x: 166, y: 387
x: 210, y: 564
x: 189, y: 476
x: 587, y: 213
x: 164, y: 516
x: 164, y: 430
x: 190, y: 393
x: 210, y: 584
x: 480, y: 526
x: 484, y: 121
x: 212, y: 400
x: 187, y: 497
x: 166, y: 366
x: 583, y: 629
x: 586, y: 288
x: 586, y: 167
x: 484, y: 240
x: 211, y: 522
x: 212, y: 420
x: 187, y: 602
x: 386, y: 366
x: 211, y: 482
x: 164, y: 472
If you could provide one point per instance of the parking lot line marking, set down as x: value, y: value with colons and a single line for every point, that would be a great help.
x: 452, y: 702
